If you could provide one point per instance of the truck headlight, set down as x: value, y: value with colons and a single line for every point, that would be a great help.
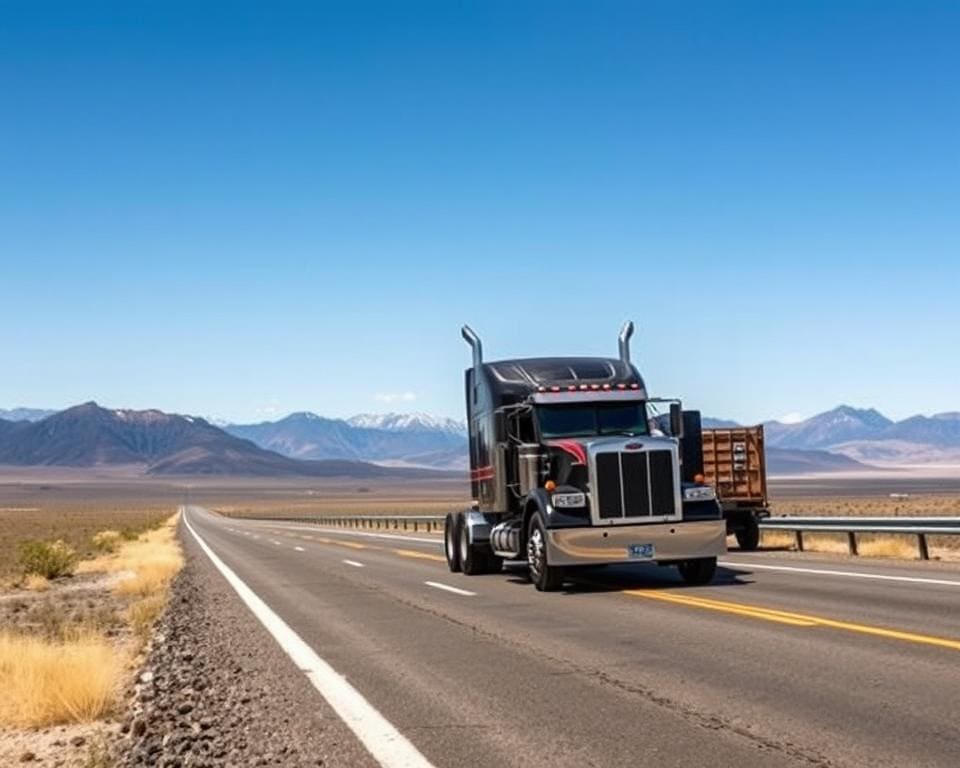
x: 567, y: 500
x: 699, y: 493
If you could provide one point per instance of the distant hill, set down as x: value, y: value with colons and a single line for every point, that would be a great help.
x: 391, y: 439
x: 867, y: 435
x: 163, y: 444
x: 25, y: 414
x: 786, y: 461
x: 707, y: 423
x: 840, y: 425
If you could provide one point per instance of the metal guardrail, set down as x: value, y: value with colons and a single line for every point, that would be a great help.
x: 921, y: 527
x: 415, y: 523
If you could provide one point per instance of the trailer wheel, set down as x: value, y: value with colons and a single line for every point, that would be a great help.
x: 545, y: 577
x: 748, y: 537
x: 698, y: 572
x: 475, y: 559
x: 451, y: 540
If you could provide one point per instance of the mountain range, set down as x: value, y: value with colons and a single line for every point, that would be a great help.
x: 160, y: 444
x: 844, y: 438
x: 866, y: 435
x: 391, y: 439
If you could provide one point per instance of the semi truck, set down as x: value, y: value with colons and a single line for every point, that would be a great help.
x: 734, y: 465
x: 572, y: 465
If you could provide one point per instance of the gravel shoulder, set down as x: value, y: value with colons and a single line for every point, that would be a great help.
x: 217, y: 690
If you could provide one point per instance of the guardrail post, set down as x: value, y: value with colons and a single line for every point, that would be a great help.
x: 799, y: 538
x: 852, y: 543
x: 922, y: 546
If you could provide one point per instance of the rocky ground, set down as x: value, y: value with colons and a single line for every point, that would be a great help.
x: 216, y: 690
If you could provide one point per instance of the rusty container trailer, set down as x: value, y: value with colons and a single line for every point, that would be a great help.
x: 734, y: 464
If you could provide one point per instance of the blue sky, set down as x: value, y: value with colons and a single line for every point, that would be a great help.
x: 242, y: 211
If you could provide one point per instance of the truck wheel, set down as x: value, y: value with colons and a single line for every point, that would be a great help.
x: 476, y: 559
x: 451, y: 540
x: 545, y: 577
x: 748, y: 537
x: 699, y: 571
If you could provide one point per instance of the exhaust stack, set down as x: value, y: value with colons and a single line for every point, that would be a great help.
x: 474, y: 341
x: 625, y: 333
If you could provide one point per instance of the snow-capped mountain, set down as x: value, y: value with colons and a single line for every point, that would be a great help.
x: 840, y: 425
x: 395, y: 439
x: 408, y: 422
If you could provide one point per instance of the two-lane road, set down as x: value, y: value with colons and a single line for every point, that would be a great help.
x: 783, y: 661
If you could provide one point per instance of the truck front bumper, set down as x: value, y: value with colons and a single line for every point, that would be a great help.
x: 614, y: 543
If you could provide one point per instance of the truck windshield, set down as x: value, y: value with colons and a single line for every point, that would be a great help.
x: 586, y: 420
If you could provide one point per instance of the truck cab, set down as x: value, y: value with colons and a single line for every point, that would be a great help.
x: 573, y: 464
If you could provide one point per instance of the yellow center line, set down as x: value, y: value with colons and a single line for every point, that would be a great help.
x: 351, y: 544
x: 740, y: 611
x: 420, y: 555
x: 794, y: 619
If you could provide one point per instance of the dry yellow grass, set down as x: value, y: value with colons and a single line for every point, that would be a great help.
x: 900, y: 547
x: 47, y: 683
x: 107, y: 541
x: 868, y: 545
x: 147, y: 565
x: 36, y: 583
x: 776, y: 540
x: 142, y: 614
x: 75, y: 675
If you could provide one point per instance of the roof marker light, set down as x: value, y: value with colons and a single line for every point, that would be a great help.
x: 621, y: 386
x: 554, y: 389
x: 634, y: 386
x: 594, y: 386
x: 571, y: 388
x: 606, y: 386
x: 583, y: 387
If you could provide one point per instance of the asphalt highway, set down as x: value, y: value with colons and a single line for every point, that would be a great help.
x: 784, y: 660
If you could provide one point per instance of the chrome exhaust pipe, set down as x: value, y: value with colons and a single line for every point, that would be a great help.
x: 474, y: 341
x: 625, y: 333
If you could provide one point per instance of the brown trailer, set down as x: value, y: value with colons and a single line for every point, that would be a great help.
x: 734, y: 464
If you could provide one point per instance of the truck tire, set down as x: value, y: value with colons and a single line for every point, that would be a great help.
x: 451, y: 540
x: 475, y: 559
x: 748, y: 537
x: 698, y: 572
x: 545, y: 577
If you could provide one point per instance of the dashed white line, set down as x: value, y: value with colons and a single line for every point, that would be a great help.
x: 274, y: 541
x: 300, y: 549
x: 340, y: 531
x: 389, y: 747
x: 448, y: 588
x: 848, y: 574
x: 354, y: 563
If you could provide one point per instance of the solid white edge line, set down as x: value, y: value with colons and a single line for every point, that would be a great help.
x: 354, y: 563
x: 389, y: 747
x: 448, y: 588
x: 848, y: 574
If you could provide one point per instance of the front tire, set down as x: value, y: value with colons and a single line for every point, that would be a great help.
x: 748, y: 537
x: 698, y: 572
x: 476, y: 559
x: 451, y: 540
x: 545, y: 577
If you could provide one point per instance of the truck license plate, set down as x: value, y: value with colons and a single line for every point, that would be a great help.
x: 640, y: 551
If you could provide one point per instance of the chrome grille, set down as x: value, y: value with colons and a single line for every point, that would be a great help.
x: 635, y: 484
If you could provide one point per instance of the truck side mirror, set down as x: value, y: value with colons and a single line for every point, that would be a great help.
x: 676, y: 420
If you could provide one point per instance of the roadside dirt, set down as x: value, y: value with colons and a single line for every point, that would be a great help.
x: 217, y: 690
